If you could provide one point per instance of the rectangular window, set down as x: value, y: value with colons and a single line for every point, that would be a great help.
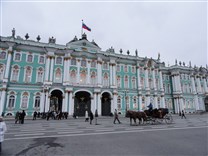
x: 73, y: 62
x: 41, y: 59
x: 17, y: 57
x: 118, y: 69
x: 93, y: 64
x: 133, y: 69
x: 30, y: 58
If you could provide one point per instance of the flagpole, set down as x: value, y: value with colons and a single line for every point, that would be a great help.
x: 82, y: 29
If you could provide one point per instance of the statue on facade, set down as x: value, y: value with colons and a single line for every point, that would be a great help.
x: 121, y: 51
x: 13, y: 33
x: 128, y: 52
x: 176, y: 62
x: 27, y: 36
x: 136, y: 52
x: 38, y: 38
x: 52, y: 40
x: 189, y: 63
x: 158, y: 56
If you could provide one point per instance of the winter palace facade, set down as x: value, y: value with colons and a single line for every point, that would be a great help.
x: 80, y: 76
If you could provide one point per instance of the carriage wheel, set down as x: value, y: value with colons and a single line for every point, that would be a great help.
x: 168, y: 118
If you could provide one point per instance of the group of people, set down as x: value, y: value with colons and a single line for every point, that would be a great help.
x: 20, y: 117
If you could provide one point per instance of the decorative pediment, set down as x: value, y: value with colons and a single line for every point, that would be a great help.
x: 83, y: 45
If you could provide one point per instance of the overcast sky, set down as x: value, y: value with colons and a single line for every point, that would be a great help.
x: 178, y: 30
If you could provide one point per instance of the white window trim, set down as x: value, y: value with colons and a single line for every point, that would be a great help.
x: 5, y: 55
x: 54, y: 76
x: 15, y: 97
x: 61, y: 60
x: 25, y: 74
x: 27, y: 101
x: 37, y: 74
x: 11, y: 78
x: 20, y: 57
x: 32, y: 58
x: 39, y: 59
x: 34, y: 97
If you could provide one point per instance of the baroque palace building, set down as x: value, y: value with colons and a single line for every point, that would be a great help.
x: 80, y: 76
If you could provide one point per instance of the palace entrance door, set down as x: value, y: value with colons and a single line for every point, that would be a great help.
x: 206, y: 103
x: 56, y: 100
x: 106, y: 104
x: 82, y: 102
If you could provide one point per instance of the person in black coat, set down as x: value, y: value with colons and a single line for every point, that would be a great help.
x: 91, y: 117
x: 23, y: 114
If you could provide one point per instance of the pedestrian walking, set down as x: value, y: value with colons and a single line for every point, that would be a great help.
x: 3, y: 129
x: 34, y: 115
x: 91, y: 117
x: 86, y: 116
x: 17, y: 117
x: 96, y: 116
x: 183, y: 115
x: 116, y: 117
x: 23, y: 114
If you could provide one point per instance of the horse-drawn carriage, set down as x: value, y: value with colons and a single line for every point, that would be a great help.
x: 154, y: 116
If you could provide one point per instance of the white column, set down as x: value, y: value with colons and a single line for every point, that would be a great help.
x: 114, y: 104
x: 199, y: 85
x: 94, y: 105
x: 205, y: 85
x: 176, y: 106
x: 111, y: 74
x: 3, y: 97
x: 88, y: 72
x: 114, y: 75
x: 66, y: 101
x: 179, y: 83
x: 193, y: 84
x: 173, y: 83
x: 162, y: 102
x: 140, y: 102
x: 8, y: 64
x: 51, y: 69
x: 47, y: 68
x: 161, y: 81
x: 70, y: 104
x: 138, y: 78
x: 146, y: 79
x: 47, y: 101
x: 99, y: 71
x: 153, y: 76
x: 155, y: 102
x: 99, y: 104
x: 42, y: 101
x: 65, y: 70
x: 78, y: 71
x: 147, y: 100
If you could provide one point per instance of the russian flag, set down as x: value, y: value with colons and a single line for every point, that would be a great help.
x: 85, y: 27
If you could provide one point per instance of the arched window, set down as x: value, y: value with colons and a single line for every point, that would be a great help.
x: 133, y: 83
x: 119, y: 103
x: 93, y: 78
x: 1, y: 72
x: 125, y: 68
x: 105, y: 80
x: 29, y: 58
x: 73, y: 76
x: 93, y: 64
x: 126, y: 82
x: 58, y: 75
x: 118, y: 81
x: 40, y: 75
x: 135, y: 104
x: 142, y: 82
x: 59, y: 60
x: 143, y: 103
x: 37, y: 100
x: 3, y: 55
x: 73, y: 62
x: 83, y: 63
x: 25, y: 99
x: 28, y: 74
x: 83, y: 77
x: 15, y: 73
x: 11, y: 100
x: 17, y: 57
x: 41, y: 59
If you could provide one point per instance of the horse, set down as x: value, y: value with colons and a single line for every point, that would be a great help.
x: 136, y: 115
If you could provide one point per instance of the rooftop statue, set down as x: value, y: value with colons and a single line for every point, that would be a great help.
x: 13, y: 33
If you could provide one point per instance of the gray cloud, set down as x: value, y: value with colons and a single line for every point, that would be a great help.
x: 176, y: 30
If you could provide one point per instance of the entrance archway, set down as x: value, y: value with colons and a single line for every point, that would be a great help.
x: 56, y: 100
x: 82, y: 102
x: 206, y: 103
x: 106, y: 104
